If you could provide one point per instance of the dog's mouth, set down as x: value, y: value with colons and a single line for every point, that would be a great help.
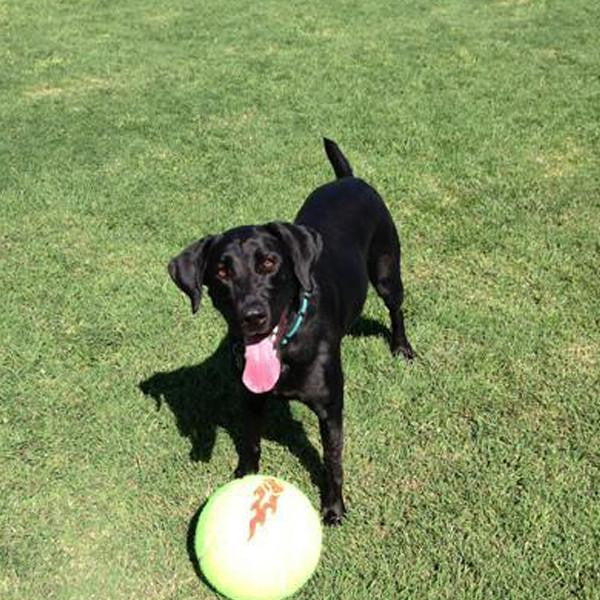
x: 257, y: 338
x: 263, y: 365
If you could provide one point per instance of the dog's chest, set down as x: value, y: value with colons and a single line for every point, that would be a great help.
x: 301, y: 377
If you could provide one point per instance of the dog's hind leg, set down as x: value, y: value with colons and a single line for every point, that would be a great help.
x: 384, y: 273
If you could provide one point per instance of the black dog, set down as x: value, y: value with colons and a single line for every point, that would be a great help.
x: 289, y: 293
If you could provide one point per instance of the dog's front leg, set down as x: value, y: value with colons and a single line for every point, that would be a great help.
x: 332, y: 439
x: 253, y: 407
x: 329, y: 411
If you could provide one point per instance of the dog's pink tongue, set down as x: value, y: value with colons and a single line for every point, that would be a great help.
x: 262, y: 368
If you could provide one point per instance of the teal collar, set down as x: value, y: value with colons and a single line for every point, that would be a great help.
x: 300, y: 315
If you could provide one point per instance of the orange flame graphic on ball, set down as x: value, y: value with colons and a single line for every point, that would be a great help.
x: 260, y: 506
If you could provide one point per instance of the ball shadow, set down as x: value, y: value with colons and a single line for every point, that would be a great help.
x: 191, y: 548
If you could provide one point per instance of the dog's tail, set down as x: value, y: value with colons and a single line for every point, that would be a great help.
x: 338, y: 161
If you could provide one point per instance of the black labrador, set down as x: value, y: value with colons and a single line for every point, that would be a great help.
x: 289, y: 293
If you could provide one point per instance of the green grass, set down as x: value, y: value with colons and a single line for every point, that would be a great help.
x: 129, y: 129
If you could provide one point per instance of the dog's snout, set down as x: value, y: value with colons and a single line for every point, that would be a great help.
x: 254, y: 317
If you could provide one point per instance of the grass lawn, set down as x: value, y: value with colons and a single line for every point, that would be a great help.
x: 129, y: 129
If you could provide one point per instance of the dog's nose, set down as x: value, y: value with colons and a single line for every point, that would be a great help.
x: 254, y: 317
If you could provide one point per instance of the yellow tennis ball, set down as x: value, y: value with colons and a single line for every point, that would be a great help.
x: 258, y: 538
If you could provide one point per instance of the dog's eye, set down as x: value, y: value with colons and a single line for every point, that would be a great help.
x: 267, y: 264
x: 222, y: 272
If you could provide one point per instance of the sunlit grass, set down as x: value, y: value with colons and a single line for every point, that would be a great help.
x: 130, y: 129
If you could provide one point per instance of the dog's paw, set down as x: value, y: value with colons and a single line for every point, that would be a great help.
x: 333, y: 515
x: 244, y: 469
x: 405, y: 350
x: 332, y: 518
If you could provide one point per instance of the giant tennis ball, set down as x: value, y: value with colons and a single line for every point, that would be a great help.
x: 258, y: 538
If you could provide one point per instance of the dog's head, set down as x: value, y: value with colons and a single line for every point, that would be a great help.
x: 254, y: 275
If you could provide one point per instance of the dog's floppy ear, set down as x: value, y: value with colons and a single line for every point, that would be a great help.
x: 187, y: 269
x: 304, y: 245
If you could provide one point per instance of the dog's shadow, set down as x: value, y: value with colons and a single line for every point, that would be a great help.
x: 365, y: 327
x: 204, y: 397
